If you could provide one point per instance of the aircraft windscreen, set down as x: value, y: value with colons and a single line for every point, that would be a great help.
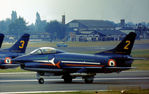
x: 37, y: 51
x: 46, y: 50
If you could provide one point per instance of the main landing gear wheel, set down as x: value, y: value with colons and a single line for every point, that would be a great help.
x: 41, y: 81
x: 89, y: 79
x: 67, y: 78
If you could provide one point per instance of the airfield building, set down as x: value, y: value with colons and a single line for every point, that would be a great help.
x: 93, y: 30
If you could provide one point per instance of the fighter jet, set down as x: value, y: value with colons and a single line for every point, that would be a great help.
x: 47, y: 61
x: 16, y: 50
x: 1, y: 39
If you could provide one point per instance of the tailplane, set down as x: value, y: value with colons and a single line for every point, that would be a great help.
x: 125, y: 46
x: 20, y: 45
x: 1, y: 39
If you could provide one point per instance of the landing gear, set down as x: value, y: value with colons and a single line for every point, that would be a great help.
x: 40, y: 80
x: 67, y: 78
x: 88, y: 79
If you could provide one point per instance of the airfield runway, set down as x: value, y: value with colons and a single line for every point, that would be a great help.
x: 26, y: 82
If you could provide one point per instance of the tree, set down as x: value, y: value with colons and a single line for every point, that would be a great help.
x: 13, y: 16
x: 57, y: 30
x: 31, y: 28
x: 18, y: 27
x: 40, y: 24
x: 4, y: 25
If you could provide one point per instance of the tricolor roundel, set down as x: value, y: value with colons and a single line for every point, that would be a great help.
x: 111, y: 63
x: 8, y: 60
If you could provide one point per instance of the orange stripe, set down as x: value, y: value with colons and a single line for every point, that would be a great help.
x: 57, y: 64
x: 80, y: 65
x: 84, y: 65
x: 47, y: 64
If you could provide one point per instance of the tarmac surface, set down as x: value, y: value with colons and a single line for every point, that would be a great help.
x: 26, y: 82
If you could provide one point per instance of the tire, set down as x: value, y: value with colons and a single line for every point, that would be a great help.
x: 68, y: 80
x: 41, y: 81
x: 89, y: 79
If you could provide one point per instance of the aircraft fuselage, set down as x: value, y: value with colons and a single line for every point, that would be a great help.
x: 71, y: 62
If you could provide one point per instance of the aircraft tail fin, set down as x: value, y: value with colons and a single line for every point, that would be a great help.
x: 1, y: 39
x: 125, y: 46
x: 20, y: 45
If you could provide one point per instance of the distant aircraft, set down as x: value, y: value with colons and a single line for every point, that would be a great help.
x: 1, y: 39
x: 16, y: 50
x: 47, y: 61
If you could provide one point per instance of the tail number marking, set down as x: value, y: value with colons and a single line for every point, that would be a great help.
x: 128, y: 43
x: 22, y: 44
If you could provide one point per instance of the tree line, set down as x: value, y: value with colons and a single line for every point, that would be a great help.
x: 17, y: 26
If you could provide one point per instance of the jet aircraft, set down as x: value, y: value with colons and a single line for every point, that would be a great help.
x: 1, y: 39
x: 47, y: 61
x: 16, y: 50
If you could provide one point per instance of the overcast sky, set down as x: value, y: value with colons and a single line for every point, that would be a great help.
x: 114, y: 10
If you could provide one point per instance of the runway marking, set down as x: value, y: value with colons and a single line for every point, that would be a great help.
x: 33, y: 80
x: 37, y: 92
x: 19, y: 73
x: 136, y: 78
x: 67, y: 91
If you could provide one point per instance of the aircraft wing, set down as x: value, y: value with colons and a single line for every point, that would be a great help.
x: 137, y: 58
x: 82, y: 67
x: 119, y: 68
x: 43, y: 69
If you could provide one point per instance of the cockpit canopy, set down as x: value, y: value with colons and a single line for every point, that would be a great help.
x: 46, y: 50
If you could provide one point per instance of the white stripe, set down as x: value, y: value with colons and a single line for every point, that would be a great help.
x: 30, y: 80
x: 131, y: 78
x: 45, y: 61
x: 18, y: 73
x: 37, y: 92
x: 67, y: 91
x: 80, y: 62
x: 114, y: 78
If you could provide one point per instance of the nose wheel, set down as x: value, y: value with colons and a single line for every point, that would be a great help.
x: 41, y: 81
